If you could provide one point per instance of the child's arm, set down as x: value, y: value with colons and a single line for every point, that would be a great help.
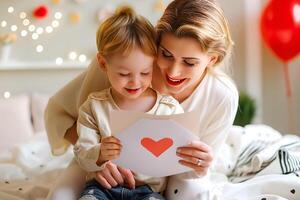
x: 90, y: 153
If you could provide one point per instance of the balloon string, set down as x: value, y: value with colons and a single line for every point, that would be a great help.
x: 289, y: 99
x: 290, y: 111
x: 287, y: 80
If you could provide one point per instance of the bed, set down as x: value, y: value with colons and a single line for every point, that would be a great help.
x: 256, y: 163
x: 27, y: 168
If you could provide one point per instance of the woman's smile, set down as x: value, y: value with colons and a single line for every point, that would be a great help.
x: 174, y: 81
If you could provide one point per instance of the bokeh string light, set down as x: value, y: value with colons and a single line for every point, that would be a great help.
x: 34, y: 32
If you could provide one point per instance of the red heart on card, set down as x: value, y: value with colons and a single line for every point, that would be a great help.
x: 157, y: 147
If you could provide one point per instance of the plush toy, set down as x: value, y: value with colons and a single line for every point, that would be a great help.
x: 185, y: 187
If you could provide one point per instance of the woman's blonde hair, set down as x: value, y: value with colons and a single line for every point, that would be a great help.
x: 124, y: 30
x: 202, y: 20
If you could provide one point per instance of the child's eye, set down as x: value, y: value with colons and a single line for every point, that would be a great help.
x: 121, y: 74
x: 145, y: 74
x: 166, y: 54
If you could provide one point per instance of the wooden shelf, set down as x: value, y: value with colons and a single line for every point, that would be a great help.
x: 43, y: 65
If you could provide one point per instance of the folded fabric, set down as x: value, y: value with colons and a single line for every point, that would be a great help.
x: 260, y: 158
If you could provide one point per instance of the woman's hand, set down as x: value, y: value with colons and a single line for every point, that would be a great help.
x: 197, y: 156
x: 113, y: 175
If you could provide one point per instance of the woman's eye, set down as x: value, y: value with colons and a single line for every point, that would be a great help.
x: 145, y: 74
x: 189, y: 64
x: 165, y: 54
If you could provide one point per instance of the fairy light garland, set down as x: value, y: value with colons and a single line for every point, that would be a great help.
x: 6, y: 94
x: 28, y: 29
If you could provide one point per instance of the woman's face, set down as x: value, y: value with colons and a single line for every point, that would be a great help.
x: 182, y: 64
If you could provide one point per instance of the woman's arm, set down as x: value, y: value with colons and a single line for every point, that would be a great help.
x: 71, y: 134
x: 62, y: 109
x: 200, y: 154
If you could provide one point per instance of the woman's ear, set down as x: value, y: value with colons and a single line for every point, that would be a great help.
x: 213, y: 60
x: 102, y: 62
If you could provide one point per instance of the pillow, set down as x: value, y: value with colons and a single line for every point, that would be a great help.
x: 15, y: 121
x: 38, y: 106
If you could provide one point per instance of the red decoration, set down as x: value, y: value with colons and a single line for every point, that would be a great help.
x: 280, y: 27
x: 157, y: 147
x: 40, y: 12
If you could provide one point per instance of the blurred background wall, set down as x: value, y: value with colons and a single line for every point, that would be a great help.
x: 43, y: 61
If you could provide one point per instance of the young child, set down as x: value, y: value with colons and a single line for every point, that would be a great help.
x: 126, y: 45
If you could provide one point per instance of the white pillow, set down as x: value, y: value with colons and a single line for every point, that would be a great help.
x: 38, y: 106
x: 15, y: 121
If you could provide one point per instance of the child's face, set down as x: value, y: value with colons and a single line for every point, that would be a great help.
x: 131, y: 74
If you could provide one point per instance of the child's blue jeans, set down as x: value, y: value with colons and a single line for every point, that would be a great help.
x: 94, y: 191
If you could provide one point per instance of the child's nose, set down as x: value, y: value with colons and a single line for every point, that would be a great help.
x: 134, y: 80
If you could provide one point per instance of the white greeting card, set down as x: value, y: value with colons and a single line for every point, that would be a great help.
x: 150, y: 141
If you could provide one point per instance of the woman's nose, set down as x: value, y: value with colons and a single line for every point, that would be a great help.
x: 174, y: 70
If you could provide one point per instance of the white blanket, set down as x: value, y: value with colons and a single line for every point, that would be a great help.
x: 29, y: 171
x: 255, y: 158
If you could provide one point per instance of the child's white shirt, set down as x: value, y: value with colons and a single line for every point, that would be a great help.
x: 93, y: 124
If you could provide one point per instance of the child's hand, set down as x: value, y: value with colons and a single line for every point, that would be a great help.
x: 110, y: 149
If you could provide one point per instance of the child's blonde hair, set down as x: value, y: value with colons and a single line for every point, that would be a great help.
x: 202, y: 20
x: 124, y: 30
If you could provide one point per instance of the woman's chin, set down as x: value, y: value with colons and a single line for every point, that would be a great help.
x: 175, y: 89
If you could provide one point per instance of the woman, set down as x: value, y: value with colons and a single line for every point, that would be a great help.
x: 194, y: 40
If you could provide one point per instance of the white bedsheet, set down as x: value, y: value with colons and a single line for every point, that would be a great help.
x: 257, y: 182
x: 270, y: 187
x: 28, y: 171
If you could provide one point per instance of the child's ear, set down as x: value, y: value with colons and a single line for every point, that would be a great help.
x: 102, y: 62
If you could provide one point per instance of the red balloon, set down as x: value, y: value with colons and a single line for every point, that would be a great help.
x: 280, y: 27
